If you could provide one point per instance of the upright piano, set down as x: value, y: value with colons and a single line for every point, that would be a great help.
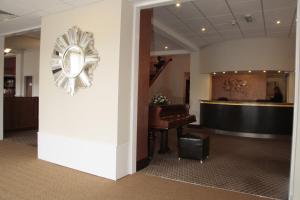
x: 165, y: 117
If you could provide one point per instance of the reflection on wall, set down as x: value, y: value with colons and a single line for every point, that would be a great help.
x: 242, y: 87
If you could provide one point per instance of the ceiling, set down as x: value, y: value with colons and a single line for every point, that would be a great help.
x: 225, y: 20
x: 160, y: 42
x: 24, y: 41
x: 187, y: 20
x: 27, y: 14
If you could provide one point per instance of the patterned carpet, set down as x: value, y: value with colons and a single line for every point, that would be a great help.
x: 253, y: 166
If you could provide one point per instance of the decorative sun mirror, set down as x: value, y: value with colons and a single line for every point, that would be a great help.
x: 73, y: 60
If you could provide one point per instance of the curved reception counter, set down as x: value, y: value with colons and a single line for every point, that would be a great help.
x: 247, y: 117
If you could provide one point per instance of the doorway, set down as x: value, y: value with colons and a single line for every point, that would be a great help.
x: 148, y: 5
x: 20, y: 91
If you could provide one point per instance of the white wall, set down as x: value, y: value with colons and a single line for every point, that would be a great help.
x: 200, y: 86
x: 124, y: 158
x: 291, y: 87
x: 27, y: 64
x: 31, y: 59
x: 1, y: 84
x: 171, y: 82
x: 249, y: 54
x: 81, y: 132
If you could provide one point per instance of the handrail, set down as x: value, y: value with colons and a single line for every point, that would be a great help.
x: 159, y: 72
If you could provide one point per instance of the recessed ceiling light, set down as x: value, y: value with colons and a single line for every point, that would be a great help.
x: 7, y: 50
x: 224, y: 72
x: 178, y: 4
x: 278, y: 22
x: 214, y: 73
x: 279, y: 71
x: 166, y: 47
x: 249, y: 71
x: 264, y: 71
x: 248, y: 18
x: 235, y: 72
x: 203, y: 29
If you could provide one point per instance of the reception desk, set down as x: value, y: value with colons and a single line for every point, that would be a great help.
x: 247, y: 117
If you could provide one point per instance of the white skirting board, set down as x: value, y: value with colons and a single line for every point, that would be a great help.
x: 104, y: 160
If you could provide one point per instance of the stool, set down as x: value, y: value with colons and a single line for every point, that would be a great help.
x: 193, y: 147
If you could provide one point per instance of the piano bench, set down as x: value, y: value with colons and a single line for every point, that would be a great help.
x: 193, y: 147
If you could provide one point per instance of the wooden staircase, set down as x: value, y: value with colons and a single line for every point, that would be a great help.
x: 155, y: 74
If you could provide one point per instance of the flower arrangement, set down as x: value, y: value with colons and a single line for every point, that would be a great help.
x: 160, y: 100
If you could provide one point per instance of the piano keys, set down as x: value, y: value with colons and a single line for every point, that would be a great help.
x: 165, y: 117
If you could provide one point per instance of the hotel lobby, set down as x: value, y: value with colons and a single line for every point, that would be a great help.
x: 147, y: 99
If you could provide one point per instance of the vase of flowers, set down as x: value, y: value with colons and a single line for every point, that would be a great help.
x: 160, y: 100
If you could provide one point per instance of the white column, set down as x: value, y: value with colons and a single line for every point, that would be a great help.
x: 291, y: 87
x: 200, y: 86
x: 19, y: 73
x: 1, y: 84
x: 295, y: 160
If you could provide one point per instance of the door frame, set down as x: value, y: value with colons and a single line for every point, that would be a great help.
x: 139, y: 5
x: 295, y: 162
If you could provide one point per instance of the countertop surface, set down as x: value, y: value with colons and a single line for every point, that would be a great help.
x: 247, y: 103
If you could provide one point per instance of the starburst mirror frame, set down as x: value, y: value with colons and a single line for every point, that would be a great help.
x: 74, y: 59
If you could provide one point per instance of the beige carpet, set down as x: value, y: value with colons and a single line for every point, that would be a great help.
x: 23, y: 177
x: 253, y: 166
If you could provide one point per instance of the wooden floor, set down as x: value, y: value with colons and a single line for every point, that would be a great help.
x: 24, y: 177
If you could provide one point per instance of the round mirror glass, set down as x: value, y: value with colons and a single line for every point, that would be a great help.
x: 73, y: 61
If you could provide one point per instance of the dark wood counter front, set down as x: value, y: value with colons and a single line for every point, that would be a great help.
x: 248, y: 117
x: 20, y: 113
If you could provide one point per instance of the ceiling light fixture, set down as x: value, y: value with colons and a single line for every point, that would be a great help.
x: 166, y: 47
x: 278, y: 22
x: 178, y: 4
x: 248, y: 18
x: 7, y: 50
x: 250, y: 71
x: 235, y: 72
x: 279, y: 71
x: 203, y: 29
x: 264, y: 71
x: 214, y: 73
x: 224, y: 72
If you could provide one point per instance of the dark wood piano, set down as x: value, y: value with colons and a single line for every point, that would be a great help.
x: 165, y: 117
